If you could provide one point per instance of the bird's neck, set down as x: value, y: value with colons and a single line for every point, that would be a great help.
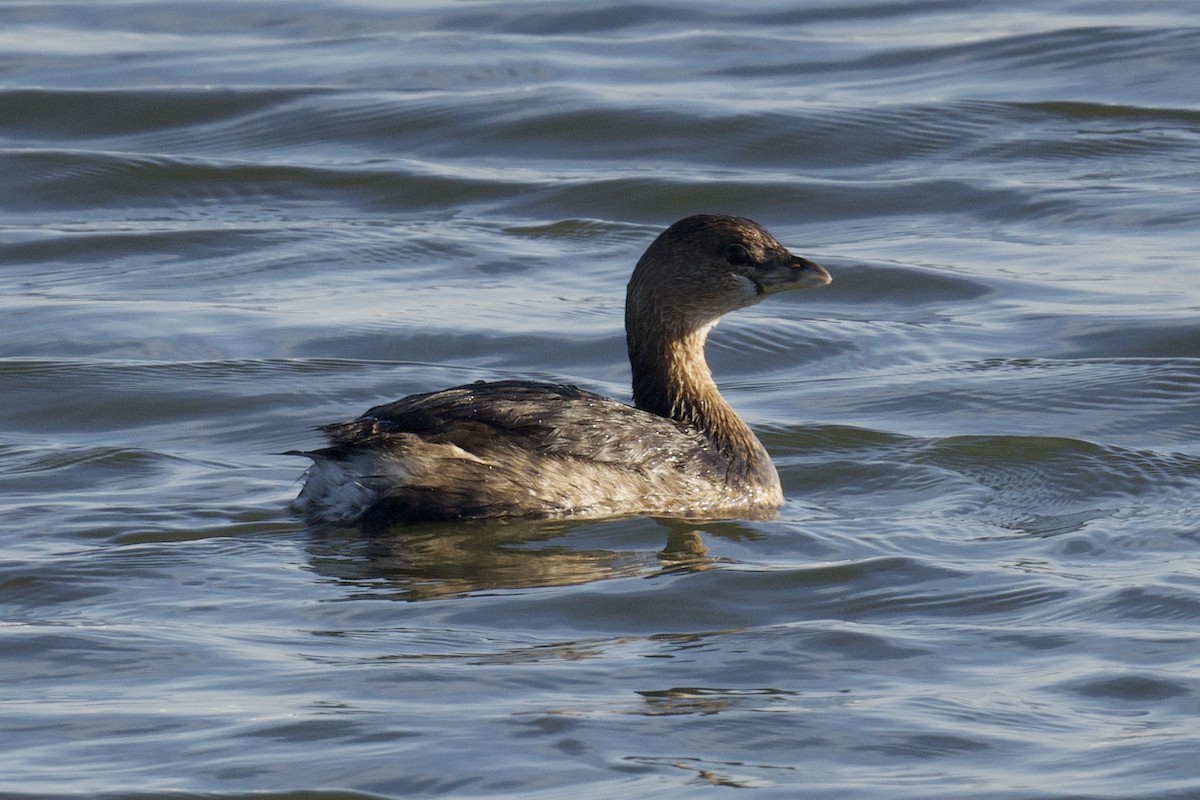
x: 671, y: 378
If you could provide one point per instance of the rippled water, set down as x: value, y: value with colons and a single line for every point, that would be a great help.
x: 223, y: 223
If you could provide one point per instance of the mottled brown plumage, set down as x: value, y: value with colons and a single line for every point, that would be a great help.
x: 519, y: 448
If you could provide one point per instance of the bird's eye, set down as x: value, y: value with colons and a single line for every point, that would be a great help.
x: 737, y: 255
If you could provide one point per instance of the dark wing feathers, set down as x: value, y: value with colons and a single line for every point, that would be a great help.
x: 548, y: 418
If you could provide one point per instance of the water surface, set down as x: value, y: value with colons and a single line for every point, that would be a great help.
x: 223, y: 223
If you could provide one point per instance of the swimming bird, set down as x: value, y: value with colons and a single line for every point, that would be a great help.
x: 516, y: 448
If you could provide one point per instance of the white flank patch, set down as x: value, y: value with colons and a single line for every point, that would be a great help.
x: 334, y: 492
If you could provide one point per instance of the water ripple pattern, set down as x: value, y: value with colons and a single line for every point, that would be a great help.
x: 222, y: 224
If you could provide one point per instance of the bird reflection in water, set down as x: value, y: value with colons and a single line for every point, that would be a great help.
x: 425, y: 562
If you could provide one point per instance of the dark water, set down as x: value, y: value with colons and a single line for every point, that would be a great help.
x: 222, y: 223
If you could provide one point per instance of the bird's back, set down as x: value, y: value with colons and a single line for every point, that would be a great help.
x: 511, y: 448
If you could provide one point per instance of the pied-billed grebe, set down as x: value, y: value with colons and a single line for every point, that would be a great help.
x: 520, y: 448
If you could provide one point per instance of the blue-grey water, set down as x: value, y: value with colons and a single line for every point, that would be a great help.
x: 223, y: 223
